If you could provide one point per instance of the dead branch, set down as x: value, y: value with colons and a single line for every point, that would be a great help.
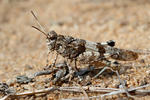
x: 119, y: 91
x: 104, y: 91
x: 64, y: 89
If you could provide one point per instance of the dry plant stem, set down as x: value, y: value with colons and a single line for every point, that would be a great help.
x: 108, y: 91
x: 89, y: 89
x: 84, y: 92
x: 117, y: 91
x: 121, y: 81
x: 114, y: 93
x: 123, y: 91
x: 65, y: 89
x: 123, y: 84
x: 5, y: 97
x: 142, y: 92
x: 140, y: 87
x: 31, y: 92
x: 37, y: 91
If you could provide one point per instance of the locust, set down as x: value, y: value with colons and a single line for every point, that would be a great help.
x: 96, y: 54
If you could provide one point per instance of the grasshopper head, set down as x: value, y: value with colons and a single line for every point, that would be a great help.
x: 52, y: 35
x: 51, y: 40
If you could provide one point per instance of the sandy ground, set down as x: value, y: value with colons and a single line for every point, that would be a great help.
x: 23, y: 50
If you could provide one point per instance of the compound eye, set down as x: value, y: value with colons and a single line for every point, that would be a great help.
x: 52, y: 35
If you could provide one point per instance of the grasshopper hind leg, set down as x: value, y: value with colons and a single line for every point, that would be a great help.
x: 100, y: 72
x: 109, y: 65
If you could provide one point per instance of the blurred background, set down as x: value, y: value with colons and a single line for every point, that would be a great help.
x: 24, y: 50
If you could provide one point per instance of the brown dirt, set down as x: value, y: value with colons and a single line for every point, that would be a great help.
x: 23, y: 50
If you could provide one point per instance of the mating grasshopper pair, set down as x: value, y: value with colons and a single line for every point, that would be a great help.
x: 85, y: 52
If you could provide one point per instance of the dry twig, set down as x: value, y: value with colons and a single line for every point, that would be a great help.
x: 65, y: 89
x: 84, y: 92
x: 104, y: 91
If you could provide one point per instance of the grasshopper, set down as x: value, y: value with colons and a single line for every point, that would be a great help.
x: 85, y: 52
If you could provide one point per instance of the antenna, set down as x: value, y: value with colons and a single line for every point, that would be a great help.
x: 42, y: 29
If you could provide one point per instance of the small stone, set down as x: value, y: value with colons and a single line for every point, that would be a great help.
x: 24, y: 79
